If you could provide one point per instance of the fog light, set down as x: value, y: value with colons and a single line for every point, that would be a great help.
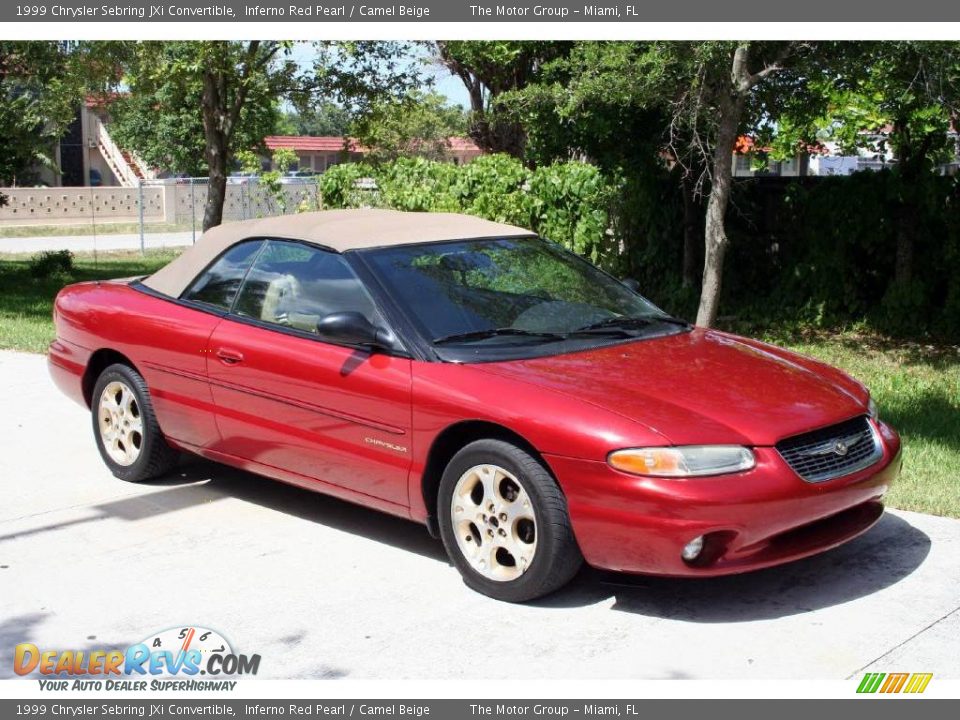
x: 692, y: 549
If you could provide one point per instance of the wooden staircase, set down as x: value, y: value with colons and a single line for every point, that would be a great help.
x: 129, y: 170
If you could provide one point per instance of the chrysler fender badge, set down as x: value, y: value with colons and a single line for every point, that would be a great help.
x: 385, y: 444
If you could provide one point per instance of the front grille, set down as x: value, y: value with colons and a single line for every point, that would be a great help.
x: 832, y: 452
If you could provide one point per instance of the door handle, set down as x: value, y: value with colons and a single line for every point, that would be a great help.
x: 229, y: 357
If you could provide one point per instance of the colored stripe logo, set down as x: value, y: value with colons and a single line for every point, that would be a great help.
x: 894, y: 682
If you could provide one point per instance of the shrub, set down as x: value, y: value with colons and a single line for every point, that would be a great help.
x: 494, y: 187
x: 570, y: 204
x: 339, y: 187
x: 419, y: 185
x: 50, y: 263
x: 818, y: 251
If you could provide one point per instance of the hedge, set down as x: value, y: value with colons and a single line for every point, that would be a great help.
x: 817, y: 250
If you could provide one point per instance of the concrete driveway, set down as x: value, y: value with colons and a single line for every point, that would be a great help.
x: 324, y: 589
x: 103, y: 242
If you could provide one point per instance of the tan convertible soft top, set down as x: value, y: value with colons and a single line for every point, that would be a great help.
x: 339, y: 230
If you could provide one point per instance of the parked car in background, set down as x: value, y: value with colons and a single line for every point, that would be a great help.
x: 528, y: 408
x: 239, y: 178
x: 296, y: 177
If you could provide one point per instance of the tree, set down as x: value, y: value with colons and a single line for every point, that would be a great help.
x: 488, y: 69
x: 319, y: 119
x: 419, y: 124
x: 603, y: 102
x: 161, y: 116
x: 233, y: 89
x: 901, y: 96
x: 218, y: 93
x: 725, y: 77
x: 631, y: 106
x: 42, y: 85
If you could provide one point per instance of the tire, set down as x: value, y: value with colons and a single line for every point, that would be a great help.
x: 125, y: 426
x: 521, y: 549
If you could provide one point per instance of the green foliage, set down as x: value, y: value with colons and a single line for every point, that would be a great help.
x: 51, y: 263
x: 320, y: 118
x: 160, y: 117
x: 41, y: 87
x: 339, y: 187
x: 570, y: 203
x: 358, y: 74
x: 489, y: 71
x: 418, y: 124
x: 820, y: 252
x: 419, y: 185
x: 495, y: 187
x: 269, y: 181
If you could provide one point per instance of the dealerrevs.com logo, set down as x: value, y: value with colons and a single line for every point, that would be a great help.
x: 180, y: 658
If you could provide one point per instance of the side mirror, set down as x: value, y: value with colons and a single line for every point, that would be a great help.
x: 632, y: 284
x: 353, y: 328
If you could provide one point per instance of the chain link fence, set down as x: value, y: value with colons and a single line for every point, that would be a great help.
x: 156, y: 214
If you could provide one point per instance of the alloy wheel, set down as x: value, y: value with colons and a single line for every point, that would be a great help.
x: 120, y: 423
x: 494, y: 522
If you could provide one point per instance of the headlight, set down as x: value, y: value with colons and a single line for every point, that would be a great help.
x: 872, y: 409
x: 688, y: 461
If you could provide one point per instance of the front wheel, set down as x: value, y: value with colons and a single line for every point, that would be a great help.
x: 125, y: 427
x: 504, y: 523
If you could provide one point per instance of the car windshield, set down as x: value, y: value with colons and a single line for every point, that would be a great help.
x: 488, y: 295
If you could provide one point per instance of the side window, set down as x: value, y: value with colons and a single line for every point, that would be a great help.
x: 219, y: 283
x: 294, y: 285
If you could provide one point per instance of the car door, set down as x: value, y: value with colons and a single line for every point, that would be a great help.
x: 177, y: 339
x: 286, y: 399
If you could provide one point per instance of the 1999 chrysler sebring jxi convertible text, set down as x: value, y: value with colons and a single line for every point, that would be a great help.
x: 529, y: 408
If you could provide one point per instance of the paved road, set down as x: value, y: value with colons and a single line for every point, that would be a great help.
x: 325, y: 589
x: 89, y: 243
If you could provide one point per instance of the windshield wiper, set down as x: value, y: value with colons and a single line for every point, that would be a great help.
x: 496, y: 332
x: 622, y: 322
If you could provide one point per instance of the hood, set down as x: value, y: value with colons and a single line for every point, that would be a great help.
x: 700, y: 387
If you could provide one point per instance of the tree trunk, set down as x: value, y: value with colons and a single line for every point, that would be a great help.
x: 216, y: 151
x: 913, y: 167
x: 216, y: 195
x: 715, y: 235
x: 690, y: 234
x: 903, y: 260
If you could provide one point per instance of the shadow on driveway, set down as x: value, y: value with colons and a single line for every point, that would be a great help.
x: 884, y: 556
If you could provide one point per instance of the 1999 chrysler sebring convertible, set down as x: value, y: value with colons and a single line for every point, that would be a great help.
x: 528, y: 408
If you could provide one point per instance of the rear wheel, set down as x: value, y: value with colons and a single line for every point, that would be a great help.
x: 125, y: 427
x: 504, y: 523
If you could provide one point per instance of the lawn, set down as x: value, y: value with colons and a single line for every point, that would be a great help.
x: 26, y: 303
x: 917, y: 386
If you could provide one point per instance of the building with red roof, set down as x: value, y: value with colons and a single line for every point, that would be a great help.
x: 316, y: 153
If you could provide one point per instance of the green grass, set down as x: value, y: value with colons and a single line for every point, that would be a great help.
x: 26, y: 302
x: 917, y: 389
x: 101, y: 228
x: 916, y: 385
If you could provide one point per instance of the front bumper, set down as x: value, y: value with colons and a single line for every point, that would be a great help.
x: 763, y: 517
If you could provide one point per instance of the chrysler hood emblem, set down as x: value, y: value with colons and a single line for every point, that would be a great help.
x: 840, y: 448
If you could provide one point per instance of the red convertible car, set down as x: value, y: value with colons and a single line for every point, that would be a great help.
x: 531, y: 410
